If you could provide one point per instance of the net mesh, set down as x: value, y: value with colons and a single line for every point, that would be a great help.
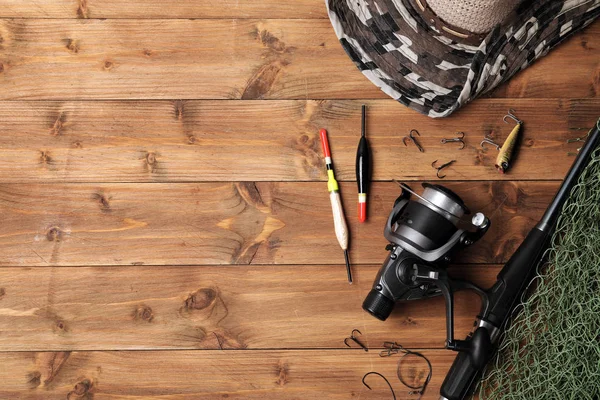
x: 552, y: 348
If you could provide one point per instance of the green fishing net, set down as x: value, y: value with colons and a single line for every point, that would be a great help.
x: 552, y: 348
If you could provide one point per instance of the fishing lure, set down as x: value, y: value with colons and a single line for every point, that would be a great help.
x: 507, y: 150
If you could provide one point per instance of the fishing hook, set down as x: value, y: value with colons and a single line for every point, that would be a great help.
x: 441, y: 167
x: 489, y: 140
x: 511, y: 115
x: 384, y: 378
x: 355, y: 340
x: 458, y: 139
x: 391, y: 349
x: 413, y: 139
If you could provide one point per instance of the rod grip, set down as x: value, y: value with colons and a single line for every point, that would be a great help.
x: 461, y: 378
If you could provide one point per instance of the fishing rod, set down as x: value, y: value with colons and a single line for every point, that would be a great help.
x: 424, y: 230
x: 512, y: 281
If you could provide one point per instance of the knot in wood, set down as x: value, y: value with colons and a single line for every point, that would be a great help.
x: 144, y: 313
x: 54, y: 234
x: 283, y: 372
x: 72, y: 46
x: 81, y: 390
x: 45, y: 157
x: 103, y: 200
x: 201, y: 299
x: 34, y: 379
x: 82, y: 387
x: 151, y: 158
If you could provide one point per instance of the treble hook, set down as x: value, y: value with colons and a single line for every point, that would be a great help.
x: 458, y: 139
x: 413, y: 139
x: 441, y: 167
x: 489, y: 140
x: 511, y: 115
x: 384, y: 378
x: 355, y: 340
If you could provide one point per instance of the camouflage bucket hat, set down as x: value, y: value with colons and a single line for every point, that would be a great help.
x: 435, y: 68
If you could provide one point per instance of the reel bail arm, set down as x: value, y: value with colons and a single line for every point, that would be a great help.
x: 425, y: 274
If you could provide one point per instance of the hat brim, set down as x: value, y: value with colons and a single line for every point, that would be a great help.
x: 413, y: 62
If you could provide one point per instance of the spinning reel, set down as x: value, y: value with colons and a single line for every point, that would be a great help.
x: 423, y: 232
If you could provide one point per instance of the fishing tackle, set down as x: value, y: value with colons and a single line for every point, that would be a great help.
x: 423, y: 232
x: 391, y: 348
x: 420, y: 390
x: 458, y: 139
x: 384, y: 378
x: 363, y: 169
x: 355, y: 340
x: 413, y: 139
x: 394, y: 348
x: 505, y: 295
x: 506, y: 152
x: 441, y: 167
x: 488, y: 139
x: 339, y: 220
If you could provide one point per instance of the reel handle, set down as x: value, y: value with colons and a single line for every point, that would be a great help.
x: 438, y: 277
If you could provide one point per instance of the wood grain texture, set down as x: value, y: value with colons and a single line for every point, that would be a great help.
x: 226, y: 59
x: 110, y: 141
x: 241, y: 223
x: 263, y: 307
x: 154, y: 203
x: 179, y: 375
x: 158, y: 9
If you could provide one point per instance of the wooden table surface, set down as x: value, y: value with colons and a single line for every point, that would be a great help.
x: 166, y: 228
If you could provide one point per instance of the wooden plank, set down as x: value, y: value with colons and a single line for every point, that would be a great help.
x: 263, y: 307
x: 157, y: 9
x: 109, y: 141
x: 242, y: 223
x: 186, y: 375
x: 225, y: 59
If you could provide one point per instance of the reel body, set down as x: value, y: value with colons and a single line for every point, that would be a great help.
x: 423, y: 231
